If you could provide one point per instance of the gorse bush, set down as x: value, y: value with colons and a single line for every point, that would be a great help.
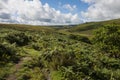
x: 107, y: 38
x: 21, y: 39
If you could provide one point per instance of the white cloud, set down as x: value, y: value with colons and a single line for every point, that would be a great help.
x: 69, y: 7
x: 102, y: 10
x: 88, y: 1
x: 33, y: 12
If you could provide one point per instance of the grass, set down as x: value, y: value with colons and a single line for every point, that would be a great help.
x: 56, y: 53
x: 88, y: 28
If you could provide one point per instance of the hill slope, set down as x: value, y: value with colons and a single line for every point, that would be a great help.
x: 85, y: 29
x: 89, y: 27
x: 27, y: 27
x: 49, y: 53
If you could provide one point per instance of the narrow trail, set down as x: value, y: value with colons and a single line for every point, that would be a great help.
x: 17, y: 67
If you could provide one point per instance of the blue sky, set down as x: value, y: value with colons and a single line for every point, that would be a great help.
x: 57, y: 12
x: 57, y: 4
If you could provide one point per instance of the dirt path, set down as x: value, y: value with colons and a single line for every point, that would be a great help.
x: 17, y: 67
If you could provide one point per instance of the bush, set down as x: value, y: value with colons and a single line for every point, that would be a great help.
x: 107, y: 38
x: 79, y: 38
x: 54, y: 59
x: 8, y: 52
x: 36, y: 46
x: 21, y: 39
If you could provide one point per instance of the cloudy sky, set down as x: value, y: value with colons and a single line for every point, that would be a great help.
x: 57, y: 12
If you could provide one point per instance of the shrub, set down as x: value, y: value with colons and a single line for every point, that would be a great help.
x: 79, y: 38
x: 8, y: 52
x: 36, y: 46
x: 55, y: 59
x: 21, y: 39
x: 107, y: 38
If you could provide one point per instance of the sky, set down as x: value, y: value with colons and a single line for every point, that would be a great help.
x: 57, y: 12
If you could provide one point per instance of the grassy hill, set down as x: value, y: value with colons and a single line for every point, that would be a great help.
x: 89, y: 27
x: 53, y: 53
x: 27, y: 27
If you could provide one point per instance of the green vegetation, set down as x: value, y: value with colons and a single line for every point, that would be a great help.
x: 21, y: 39
x: 107, y: 38
x: 79, y: 38
x: 88, y: 28
x: 49, y: 53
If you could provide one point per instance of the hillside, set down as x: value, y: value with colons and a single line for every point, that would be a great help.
x: 27, y: 27
x: 89, y: 27
x: 86, y: 29
x: 51, y: 53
